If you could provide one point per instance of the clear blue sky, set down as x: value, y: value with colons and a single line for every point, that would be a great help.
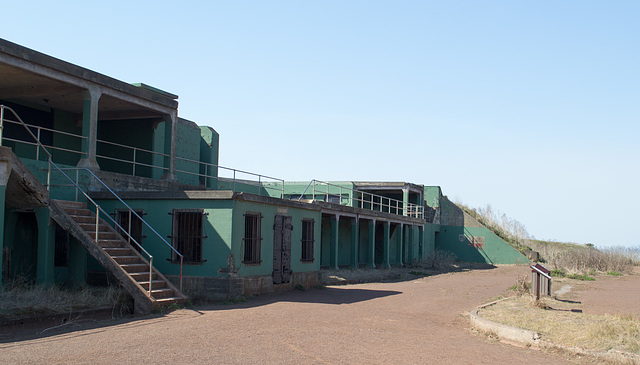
x: 532, y: 107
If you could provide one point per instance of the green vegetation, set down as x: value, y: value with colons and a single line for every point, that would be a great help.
x: 558, y: 273
x: 614, y: 273
x: 419, y: 273
x: 581, y: 277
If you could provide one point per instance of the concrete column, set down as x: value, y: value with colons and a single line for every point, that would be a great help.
x: 90, y: 128
x: 335, y: 234
x: 385, y: 256
x: 5, y: 172
x: 420, y: 243
x: 355, y: 241
x: 409, y: 244
x: 400, y: 244
x: 77, y: 264
x: 405, y: 201
x: 171, y: 131
x: 46, y: 247
x: 371, y: 260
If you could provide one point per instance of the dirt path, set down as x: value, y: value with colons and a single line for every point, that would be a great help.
x: 412, y: 322
x: 611, y: 295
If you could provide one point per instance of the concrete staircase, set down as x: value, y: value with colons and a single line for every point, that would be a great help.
x: 117, y: 256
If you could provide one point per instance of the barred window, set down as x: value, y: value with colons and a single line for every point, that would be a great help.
x: 132, y: 224
x: 252, y: 238
x: 187, y: 235
x: 307, y: 240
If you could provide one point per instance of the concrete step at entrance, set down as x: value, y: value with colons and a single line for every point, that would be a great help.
x: 162, y: 293
x: 67, y: 204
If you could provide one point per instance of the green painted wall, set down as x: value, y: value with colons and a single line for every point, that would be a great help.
x: 268, y: 218
x: 217, y: 227
x: 135, y: 133
x: 495, y: 250
x: 188, y: 145
x: 209, y: 153
x: 432, y: 196
x: 66, y: 122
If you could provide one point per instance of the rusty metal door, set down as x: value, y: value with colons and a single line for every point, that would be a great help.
x: 282, y: 249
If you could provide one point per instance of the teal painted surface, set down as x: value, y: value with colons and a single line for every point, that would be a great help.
x: 326, y: 241
x: 209, y: 149
x: 46, y: 247
x: 3, y: 190
x: 266, y: 252
x: 59, y: 183
x: 66, y: 122
x: 136, y: 133
x: 77, y: 269
x: 495, y: 250
x: 239, y: 186
x: 21, y: 244
x: 432, y: 196
x: 188, y: 145
x: 217, y: 227
x: 429, y: 239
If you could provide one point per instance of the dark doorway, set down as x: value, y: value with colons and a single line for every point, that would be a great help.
x: 282, y: 249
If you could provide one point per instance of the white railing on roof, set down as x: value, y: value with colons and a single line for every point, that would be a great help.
x: 337, y: 194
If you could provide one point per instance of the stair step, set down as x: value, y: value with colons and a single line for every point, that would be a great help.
x: 117, y: 251
x: 70, y: 204
x: 162, y: 293
x: 91, y: 227
x: 170, y: 300
x: 110, y: 243
x: 155, y: 284
x: 143, y: 276
x: 127, y: 259
x: 74, y: 212
x: 84, y: 219
x: 135, y: 268
x: 103, y: 235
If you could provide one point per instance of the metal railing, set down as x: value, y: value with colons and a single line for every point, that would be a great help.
x: 203, y: 170
x: 363, y: 200
x: 97, y: 206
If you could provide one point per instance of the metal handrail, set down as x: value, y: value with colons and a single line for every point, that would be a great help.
x: 408, y: 209
x: 136, y: 151
x: 98, y: 208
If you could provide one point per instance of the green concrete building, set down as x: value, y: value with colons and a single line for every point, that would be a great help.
x: 101, y: 181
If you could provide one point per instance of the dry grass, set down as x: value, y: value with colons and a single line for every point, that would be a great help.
x: 564, y: 323
x: 19, y: 300
x: 584, y: 259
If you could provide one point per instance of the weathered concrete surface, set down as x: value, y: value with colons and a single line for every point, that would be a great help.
x: 413, y: 322
x: 503, y: 331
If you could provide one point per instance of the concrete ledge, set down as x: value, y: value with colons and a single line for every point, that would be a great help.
x: 503, y: 331
x: 532, y: 338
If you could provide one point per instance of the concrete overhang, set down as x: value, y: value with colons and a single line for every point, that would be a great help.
x: 28, y: 76
x: 387, y: 185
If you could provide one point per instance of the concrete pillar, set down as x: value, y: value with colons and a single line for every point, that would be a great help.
x: 5, y: 172
x: 385, y: 255
x: 171, y: 131
x: 355, y: 241
x: 405, y: 201
x: 335, y: 234
x: 420, y: 245
x: 46, y: 247
x: 77, y: 264
x: 400, y: 244
x: 371, y: 259
x: 90, y: 128
x: 409, y: 244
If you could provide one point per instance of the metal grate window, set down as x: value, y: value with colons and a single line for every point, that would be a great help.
x: 132, y: 224
x: 307, y: 239
x: 252, y: 238
x: 187, y: 236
